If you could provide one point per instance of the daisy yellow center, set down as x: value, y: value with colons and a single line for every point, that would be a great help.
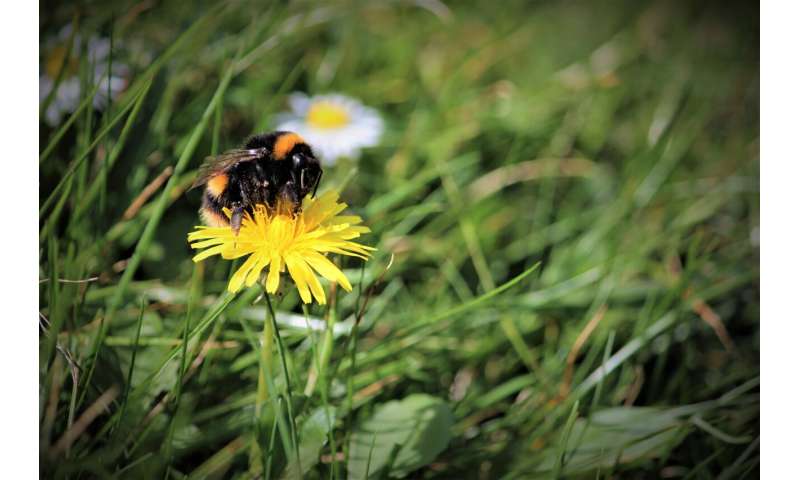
x: 327, y: 115
x: 53, y: 62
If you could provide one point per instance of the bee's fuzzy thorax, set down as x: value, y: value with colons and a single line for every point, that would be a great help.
x: 284, y: 144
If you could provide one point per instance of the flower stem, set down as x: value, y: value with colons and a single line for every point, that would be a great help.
x: 288, y: 392
x: 319, y: 368
x: 262, y: 392
x: 267, y: 344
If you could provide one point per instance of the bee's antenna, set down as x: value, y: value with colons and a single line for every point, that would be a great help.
x: 316, y: 185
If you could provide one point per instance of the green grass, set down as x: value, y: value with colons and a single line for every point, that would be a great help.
x: 567, y: 194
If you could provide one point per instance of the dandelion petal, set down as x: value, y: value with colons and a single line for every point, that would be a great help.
x: 299, y: 279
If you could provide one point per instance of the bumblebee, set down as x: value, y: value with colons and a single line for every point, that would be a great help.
x: 270, y: 168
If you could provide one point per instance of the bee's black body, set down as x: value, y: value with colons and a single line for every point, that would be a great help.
x: 270, y: 167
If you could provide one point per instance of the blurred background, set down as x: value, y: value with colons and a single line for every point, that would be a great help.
x: 567, y: 194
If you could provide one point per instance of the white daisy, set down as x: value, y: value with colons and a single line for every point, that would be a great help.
x: 334, y: 125
x: 68, y: 96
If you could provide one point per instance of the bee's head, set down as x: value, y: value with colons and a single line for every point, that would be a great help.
x: 306, y: 170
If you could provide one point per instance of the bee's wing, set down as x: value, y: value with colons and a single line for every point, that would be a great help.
x: 213, y: 166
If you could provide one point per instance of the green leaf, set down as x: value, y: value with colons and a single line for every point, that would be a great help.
x: 417, y: 427
x: 313, y: 436
x: 620, y: 435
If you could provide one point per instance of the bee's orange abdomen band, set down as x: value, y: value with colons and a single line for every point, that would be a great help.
x: 217, y: 184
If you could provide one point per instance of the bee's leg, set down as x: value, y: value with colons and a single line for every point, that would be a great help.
x: 288, y: 193
x: 236, y: 217
x: 261, y: 183
x: 264, y: 192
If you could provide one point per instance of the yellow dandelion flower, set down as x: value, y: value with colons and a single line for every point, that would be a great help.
x: 278, y: 240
